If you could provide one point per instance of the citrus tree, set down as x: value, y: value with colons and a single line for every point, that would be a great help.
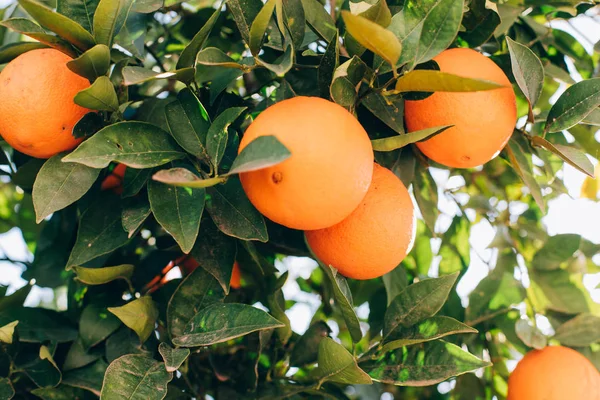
x: 145, y: 137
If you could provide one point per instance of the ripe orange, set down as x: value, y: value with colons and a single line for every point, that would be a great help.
x: 114, y: 181
x: 376, y: 237
x: 328, y: 173
x: 483, y: 121
x: 37, y: 112
x: 188, y: 264
x: 554, y: 373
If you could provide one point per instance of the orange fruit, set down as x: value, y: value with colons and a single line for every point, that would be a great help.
x: 376, y: 237
x: 554, y: 373
x: 483, y: 121
x: 37, y: 112
x: 114, y: 181
x: 328, y: 173
x: 188, y: 264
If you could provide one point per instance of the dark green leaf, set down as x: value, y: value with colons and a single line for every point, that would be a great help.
x: 294, y: 20
x: 135, y: 180
x: 574, y: 105
x: 89, y: 124
x: 281, y: 65
x: 188, y: 123
x: 59, y: 184
x: 423, y: 365
x: 343, y: 299
x: 581, y: 331
x: 33, y: 30
x: 319, y: 19
x: 389, y: 111
x: 100, y: 232
x: 306, y: 348
x: 259, y: 26
x: 173, y: 357
x: 244, y: 13
x: 61, y: 392
x: 80, y: 11
x: 93, y: 63
x: 188, y: 55
x: 233, y: 213
x: 135, y: 377
x: 262, y: 152
x: 196, y: 292
x: 417, y: 302
x: 560, y: 291
x: 403, y: 139
x: 95, y: 325
x: 178, y: 210
x: 43, y: 370
x: 100, y: 276
x: 336, y: 364
x: 88, y: 378
x: 78, y: 356
x: 219, y: 323
x: 109, y: 18
x: 139, y: 315
x: 134, y: 215
x: 395, y: 282
x: 213, y: 56
x: 135, y: 144
x: 100, y: 96
x: 215, y: 252
x: 216, y: 139
x: 37, y: 325
x: 480, y: 22
x: 528, y: 71
x: 6, y: 390
x: 64, y: 27
x: 430, y: 329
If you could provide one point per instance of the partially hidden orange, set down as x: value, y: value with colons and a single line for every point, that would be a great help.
x: 376, y: 237
x: 329, y: 170
x: 114, y: 181
x: 189, y: 264
x: 554, y: 373
x: 483, y: 121
x: 37, y: 111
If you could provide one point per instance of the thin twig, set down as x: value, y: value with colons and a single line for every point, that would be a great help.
x: 153, y: 54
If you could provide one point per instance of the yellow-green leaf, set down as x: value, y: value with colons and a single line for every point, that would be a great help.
x: 422, y: 80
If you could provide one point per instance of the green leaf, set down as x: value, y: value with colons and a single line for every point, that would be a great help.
x: 139, y: 315
x: 95, y: 325
x: 394, y: 282
x: 135, y: 144
x: 197, y: 291
x: 7, y: 332
x: 100, y: 96
x: 306, y: 348
x: 93, y: 63
x: 61, y: 392
x: 15, y: 299
x: 64, y: 27
x: 423, y: 365
x: 417, y: 302
x: 528, y: 71
x: 244, y: 13
x: 570, y: 155
x: 426, y: 195
x: 59, y: 184
x: 233, y: 213
x: 215, y: 252
x: 133, y: 216
x: 262, y: 152
x: 12, y: 50
x: 327, y: 67
x: 530, y: 335
x: 182, y: 177
x: 213, y: 56
x: 319, y: 20
x: 372, y: 36
x: 481, y: 21
x: 427, y: 80
x: 147, y: 6
x: 88, y: 125
x: 560, y: 291
x: 581, y: 331
x: 188, y: 123
x: 426, y: 28
x: 259, y: 26
x: 430, y: 329
x: 294, y: 20
x: 396, y: 142
x: 389, y: 111
x: 189, y: 54
x: 346, y: 79
x: 80, y: 11
x: 523, y: 166
x: 556, y: 250
x: 100, y: 276
x: 178, y: 211
x: 173, y: 357
x: 336, y: 364
x: 135, y: 180
x: 219, y: 323
x: 592, y: 118
x: 38, y: 325
x: 216, y: 139
x: 135, y: 377
x: 88, y: 378
x: 33, y: 30
x: 43, y: 370
x: 78, y: 356
x: 100, y: 232
x: 283, y: 64
x: 343, y: 299
x: 574, y: 105
x: 109, y: 18
x: 6, y: 390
